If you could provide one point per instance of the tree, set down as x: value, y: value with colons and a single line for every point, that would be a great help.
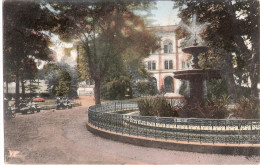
x: 62, y: 78
x: 64, y: 82
x: 232, y: 35
x: 117, y: 89
x: 105, y: 29
x: 82, y: 65
x: 24, y: 23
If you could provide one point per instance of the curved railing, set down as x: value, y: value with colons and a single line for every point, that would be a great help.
x: 169, y: 128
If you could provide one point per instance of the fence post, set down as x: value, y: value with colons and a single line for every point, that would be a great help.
x: 155, y: 127
x: 225, y: 131
x: 188, y: 131
x: 200, y: 132
x: 251, y: 132
x: 146, y: 128
x: 239, y: 126
x: 129, y: 124
x: 165, y: 135
x: 116, y: 122
x: 137, y: 133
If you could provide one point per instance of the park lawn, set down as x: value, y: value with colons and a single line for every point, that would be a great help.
x: 134, y: 99
x: 47, y: 102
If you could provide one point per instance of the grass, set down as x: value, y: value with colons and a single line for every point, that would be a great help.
x: 134, y: 99
x: 47, y: 102
x: 125, y: 111
x: 50, y: 104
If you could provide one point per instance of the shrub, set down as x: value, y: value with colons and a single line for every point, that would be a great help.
x: 146, y: 107
x: 146, y: 88
x: 157, y: 106
x: 117, y: 89
x: 213, y: 108
x: 217, y: 88
x: 247, y: 108
x: 45, y: 95
x: 183, y: 89
x: 162, y: 90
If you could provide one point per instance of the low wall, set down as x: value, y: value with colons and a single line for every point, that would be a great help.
x: 241, y: 135
x: 247, y: 150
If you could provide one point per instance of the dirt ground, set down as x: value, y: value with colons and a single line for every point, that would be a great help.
x: 61, y: 137
x: 86, y: 101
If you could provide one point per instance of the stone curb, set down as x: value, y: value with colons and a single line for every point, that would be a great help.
x: 230, y: 149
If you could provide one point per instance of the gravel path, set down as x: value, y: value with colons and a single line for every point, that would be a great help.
x: 61, y: 137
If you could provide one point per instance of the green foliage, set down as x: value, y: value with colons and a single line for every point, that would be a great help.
x: 55, y: 73
x: 82, y: 64
x: 107, y: 30
x: 162, y: 90
x: 146, y: 88
x: 63, y: 87
x: 243, y: 92
x: 247, y: 108
x: 232, y: 35
x: 44, y: 95
x: 117, y: 89
x: 50, y: 67
x: 32, y: 88
x: 213, y: 108
x: 216, y: 88
x: 183, y: 89
x: 64, y: 76
x: 23, y: 38
x: 157, y: 106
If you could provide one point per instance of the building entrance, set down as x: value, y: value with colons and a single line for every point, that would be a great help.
x: 168, y: 84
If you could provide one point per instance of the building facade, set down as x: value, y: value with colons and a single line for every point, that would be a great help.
x: 169, y: 58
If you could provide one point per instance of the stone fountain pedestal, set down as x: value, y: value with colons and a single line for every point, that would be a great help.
x: 196, y: 76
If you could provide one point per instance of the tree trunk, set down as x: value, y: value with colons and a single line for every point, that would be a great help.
x: 17, y: 90
x: 23, y: 88
x: 97, y: 91
x: 30, y: 87
x: 228, y: 73
x: 7, y: 87
x: 254, y: 63
x: 254, y: 72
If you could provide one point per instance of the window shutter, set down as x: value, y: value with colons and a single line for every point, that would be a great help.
x: 170, y: 64
x: 166, y: 64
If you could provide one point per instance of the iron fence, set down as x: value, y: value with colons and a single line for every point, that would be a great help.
x: 170, y: 128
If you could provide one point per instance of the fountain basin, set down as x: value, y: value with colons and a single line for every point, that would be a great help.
x: 202, y: 74
x: 195, y: 49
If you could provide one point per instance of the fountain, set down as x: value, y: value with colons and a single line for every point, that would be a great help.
x: 196, y: 75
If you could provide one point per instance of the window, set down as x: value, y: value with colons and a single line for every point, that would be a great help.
x: 151, y: 65
x: 170, y: 47
x: 167, y: 47
x: 168, y: 64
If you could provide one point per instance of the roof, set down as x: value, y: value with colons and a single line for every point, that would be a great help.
x: 170, y: 28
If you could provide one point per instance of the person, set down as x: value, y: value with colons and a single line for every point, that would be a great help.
x: 57, y: 100
x: 11, y: 103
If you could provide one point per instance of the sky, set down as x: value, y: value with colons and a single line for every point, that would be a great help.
x: 162, y: 15
x: 165, y: 14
